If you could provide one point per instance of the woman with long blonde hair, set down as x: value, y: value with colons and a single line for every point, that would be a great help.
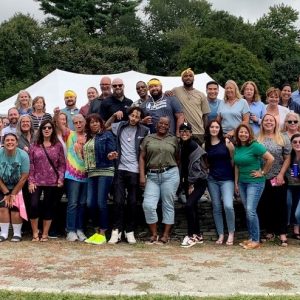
x: 273, y: 204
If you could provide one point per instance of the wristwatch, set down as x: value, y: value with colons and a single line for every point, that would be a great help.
x: 263, y: 173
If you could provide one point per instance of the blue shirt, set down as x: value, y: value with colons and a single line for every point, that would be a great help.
x: 296, y: 96
x: 258, y: 109
x: 213, y: 105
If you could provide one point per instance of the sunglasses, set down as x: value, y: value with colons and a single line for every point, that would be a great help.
x: 295, y: 142
x: 117, y: 85
x: 184, y: 130
x: 292, y: 122
x: 47, y: 127
x: 77, y: 122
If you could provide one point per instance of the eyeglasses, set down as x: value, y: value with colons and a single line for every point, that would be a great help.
x: 117, y: 85
x: 292, y: 121
x: 77, y: 122
x: 47, y: 127
x: 184, y: 130
x: 295, y: 142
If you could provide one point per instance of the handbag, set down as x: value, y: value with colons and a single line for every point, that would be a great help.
x: 51, y: 163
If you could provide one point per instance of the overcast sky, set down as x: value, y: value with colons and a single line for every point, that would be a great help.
x: 249, y: 9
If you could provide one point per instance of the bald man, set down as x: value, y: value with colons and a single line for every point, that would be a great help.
x: 105, y: 86
x: 116, y: 103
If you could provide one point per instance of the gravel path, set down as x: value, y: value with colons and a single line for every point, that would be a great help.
x: 60, y: 266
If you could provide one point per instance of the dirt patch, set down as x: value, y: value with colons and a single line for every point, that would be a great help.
x: 279, y: 285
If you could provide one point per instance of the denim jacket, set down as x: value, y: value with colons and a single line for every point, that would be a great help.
x: 104, y: 144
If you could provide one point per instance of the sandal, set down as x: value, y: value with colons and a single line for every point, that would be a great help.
x: 220, y: 241
x: 152, y: 240
x: 229, y: 242
x: 269, y: 237
x: 35, y: 239
x: 162, y: 241
x: 44, y: 239
x: 283, y: 243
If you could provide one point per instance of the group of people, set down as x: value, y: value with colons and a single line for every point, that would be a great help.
x: 153, y: 148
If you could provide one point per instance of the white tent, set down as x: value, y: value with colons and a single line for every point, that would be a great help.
x: 53, y: 86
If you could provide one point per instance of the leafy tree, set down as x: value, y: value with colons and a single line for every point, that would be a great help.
x: 223, y: 60
x: 76, y: 51
x: 279, y: 33
x: 164, y: 15
x: 21, y: 51
x: 96, y: 15
x: 222, y: 25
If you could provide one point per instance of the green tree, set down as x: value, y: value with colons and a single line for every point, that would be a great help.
x: 72, y: 49
x: 279, y: 33
x: 96, y: 15
x: 21, y: 53
x: 164, y: 15
x: 223, y: 60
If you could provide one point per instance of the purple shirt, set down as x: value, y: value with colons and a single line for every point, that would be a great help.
x: 41, y: 172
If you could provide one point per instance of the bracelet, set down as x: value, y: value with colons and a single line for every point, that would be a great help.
x: 7, y: 193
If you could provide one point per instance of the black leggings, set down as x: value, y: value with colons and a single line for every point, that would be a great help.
x: 43, y: 208
x: 192, y: 213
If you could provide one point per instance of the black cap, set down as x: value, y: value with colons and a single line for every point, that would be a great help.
x: 185, y: 126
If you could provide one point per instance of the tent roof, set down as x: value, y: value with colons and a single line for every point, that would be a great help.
x: 53, y: 86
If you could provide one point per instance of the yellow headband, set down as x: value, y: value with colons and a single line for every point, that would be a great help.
x: 70, y: 93
x: 154, y: 82
x: 187, y: 71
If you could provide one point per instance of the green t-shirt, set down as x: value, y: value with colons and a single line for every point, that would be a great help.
x: 248, y: 159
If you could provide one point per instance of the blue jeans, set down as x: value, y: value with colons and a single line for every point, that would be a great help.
x: 161, y: 185
x: 250, y: 195
x: 76, y: 194
x: 222, y: 191
x: 98, y: 188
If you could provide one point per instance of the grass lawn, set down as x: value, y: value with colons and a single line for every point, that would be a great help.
x: 44, y: 296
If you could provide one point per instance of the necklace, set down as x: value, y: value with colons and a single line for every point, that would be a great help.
x: 129, y: 133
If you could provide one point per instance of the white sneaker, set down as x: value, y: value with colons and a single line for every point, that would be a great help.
x: 130, y: 237
x: 81, y: 236
x: 188, y: 242
x: 115, y: 237
x: 72, y: 236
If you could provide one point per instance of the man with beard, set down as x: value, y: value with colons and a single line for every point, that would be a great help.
x: 70, y: 110
x: 142, y: 91
x: 194, y: 103
x: 13, y: 117
x: 161, y: 105
x: 105, y: 86
x: 116, y: 104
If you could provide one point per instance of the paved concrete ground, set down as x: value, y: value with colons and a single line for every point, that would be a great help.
x: 60, y: 266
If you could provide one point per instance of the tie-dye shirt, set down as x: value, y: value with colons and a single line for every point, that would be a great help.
x: 75, y: 169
